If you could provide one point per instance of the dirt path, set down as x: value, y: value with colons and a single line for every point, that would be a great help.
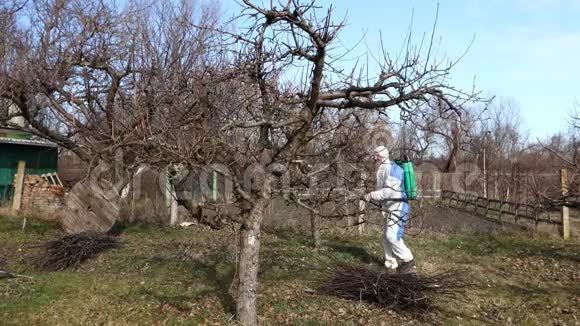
x: 441, y: 219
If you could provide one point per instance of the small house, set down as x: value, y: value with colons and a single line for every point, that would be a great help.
x: 41, y: 157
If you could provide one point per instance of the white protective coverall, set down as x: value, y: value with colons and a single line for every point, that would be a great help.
x: 390, y: 192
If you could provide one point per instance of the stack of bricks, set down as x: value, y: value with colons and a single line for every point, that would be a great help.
x: 38, y: 193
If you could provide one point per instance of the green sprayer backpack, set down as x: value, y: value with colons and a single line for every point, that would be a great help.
x: 409, y: 173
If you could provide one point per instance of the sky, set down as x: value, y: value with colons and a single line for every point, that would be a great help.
x: 526, y: 52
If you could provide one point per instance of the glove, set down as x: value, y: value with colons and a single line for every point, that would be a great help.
x: 362, y: 203
x: 368, y: 197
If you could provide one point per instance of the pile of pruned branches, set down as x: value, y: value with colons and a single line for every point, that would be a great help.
x: 405, y: 292
x: 72, y: 249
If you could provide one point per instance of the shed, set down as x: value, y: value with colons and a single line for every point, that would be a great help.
x: 40, y: 156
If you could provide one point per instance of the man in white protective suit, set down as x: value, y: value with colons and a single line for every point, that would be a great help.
x: 391, y: 196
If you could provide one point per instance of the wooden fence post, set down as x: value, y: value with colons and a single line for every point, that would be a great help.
x: 565, y: 210
x: 361, y: 215
x: 18, y: 185
x: 486, y: 207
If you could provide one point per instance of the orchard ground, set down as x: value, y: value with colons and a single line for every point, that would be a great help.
x: 168, y: 276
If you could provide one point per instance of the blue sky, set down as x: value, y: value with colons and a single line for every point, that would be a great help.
x: 528, y: 51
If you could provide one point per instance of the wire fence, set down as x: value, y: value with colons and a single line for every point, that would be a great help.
x: 500, y: 209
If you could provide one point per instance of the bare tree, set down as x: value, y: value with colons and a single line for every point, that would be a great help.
x: 296, y: 35
x: 496, y: 140
x: 111, y: 83
x: 169, y: 86
x: 559, y: 151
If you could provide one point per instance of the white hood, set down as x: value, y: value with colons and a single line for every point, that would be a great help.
x: 383, y: 152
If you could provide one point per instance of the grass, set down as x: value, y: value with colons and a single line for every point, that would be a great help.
x: 183, y: 276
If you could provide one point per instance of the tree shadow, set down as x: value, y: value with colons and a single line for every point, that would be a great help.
x: 121, y: 227
x: 219, y: 272
x: 356, y: 252
x: 559, y: 253
x: 179, y: 302
x: 214, y: 271
x: 292, y: 237
x: 524, y: 291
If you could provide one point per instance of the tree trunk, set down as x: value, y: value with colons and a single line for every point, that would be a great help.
x: 315, y: 223
x: 90, y: 207
x: 248, y: 265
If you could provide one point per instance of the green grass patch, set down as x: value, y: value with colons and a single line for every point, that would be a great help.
x: 183, y: 276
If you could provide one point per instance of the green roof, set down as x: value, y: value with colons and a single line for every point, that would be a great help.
x: 17, y: 137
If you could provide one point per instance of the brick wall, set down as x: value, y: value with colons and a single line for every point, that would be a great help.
x: 38, y: 193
